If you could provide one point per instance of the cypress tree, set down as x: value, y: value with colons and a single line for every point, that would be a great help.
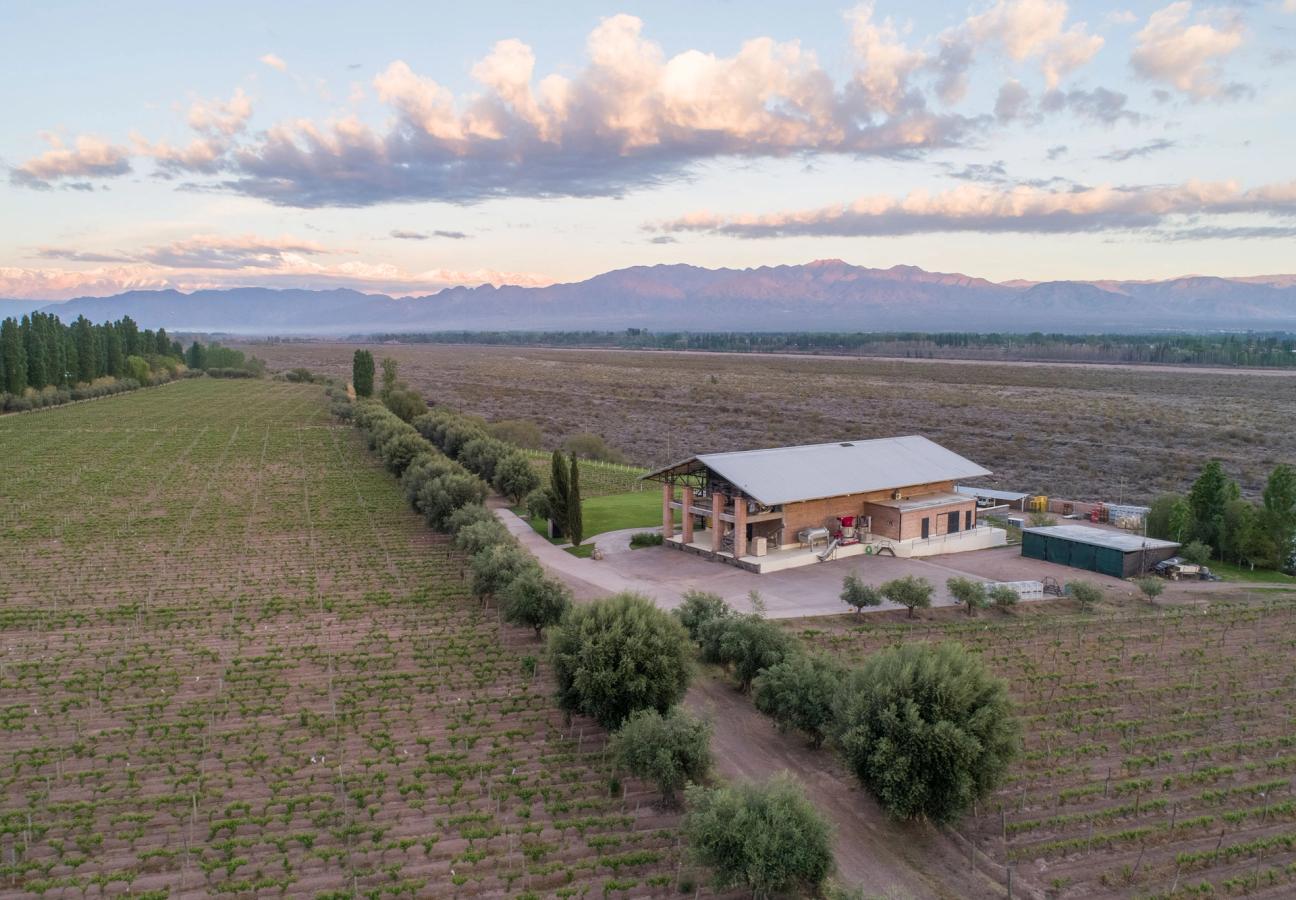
x: 558, y: 493
x: 575, y: 525
x: 162, y: 345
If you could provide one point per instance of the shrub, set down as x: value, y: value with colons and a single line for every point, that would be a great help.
x: 515, y: 478
x: 471, y: 514
x: 910, y: 591
x: 592, y: 446
x: 1196, y: 552
x: 518, y: 432
x: 765, y: 838
x: 538, y: 504
x: 969, y: 592
x: 619, y: 655
x: 404, y: 403
x: 1084, y: 593
x: 441, y: 496
x: 926, y: 729
x: 1040, y: 520
x: 646, y: 539
x: 698, y: 608
x: 800, y: 693
x: 399, y: 451
x: 1003, y: 596
x: 475, y: 537
x: 494, y: 567
x: 669, y: 750
x: 858, y: 594
x: 750, y: 644
x: 535, y: 600
x: 1150, y: 586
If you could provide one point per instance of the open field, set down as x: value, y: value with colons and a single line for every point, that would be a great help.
x: 233, y: 662
x: 1086, y: 433
x: 1159, y: 754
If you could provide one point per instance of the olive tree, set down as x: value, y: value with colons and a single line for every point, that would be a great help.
x: 857, y: 594
x: 969, y: 592
x: 911, y: 591
x: 515, y: 478
x: 926, y: 729
x: 495, y: 566
x: 1085, y: 593
x: 1150, y: 586
x: 765, y: 838
x: 619, y: 655
x: 1002, y: 596
x: 698, y: 608
x: 670, y: 749
x: 533, y: 599
x: 750, y: 644
x: 800, y: 693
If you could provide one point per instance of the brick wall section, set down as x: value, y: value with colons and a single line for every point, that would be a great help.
x: 911, y: 521
x: 813, y: 513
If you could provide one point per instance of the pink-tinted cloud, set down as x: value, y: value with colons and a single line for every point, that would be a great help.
x: 274, y: 61
x: 1188, y: 54
x: 1022, y: 209
x: 88, y: 157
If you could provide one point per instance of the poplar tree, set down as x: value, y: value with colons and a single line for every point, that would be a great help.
x: 15, y: 357
x: 362, y: 373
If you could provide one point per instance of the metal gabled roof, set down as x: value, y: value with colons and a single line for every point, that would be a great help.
x: 1101, y: 537
x: 815, y: 471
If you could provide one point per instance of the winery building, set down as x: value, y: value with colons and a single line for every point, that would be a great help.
x: 778, y: 508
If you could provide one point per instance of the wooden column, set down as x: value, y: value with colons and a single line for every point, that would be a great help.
x: 668, y: 514
x: 717, y: 526
x: 686, y: 493
x: 740, y: 526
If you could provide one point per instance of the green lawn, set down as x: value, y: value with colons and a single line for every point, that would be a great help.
x: 1231, y: 572
x: 638, y: 509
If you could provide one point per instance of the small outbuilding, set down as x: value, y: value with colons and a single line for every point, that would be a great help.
x: 989, y: 497
x: 1115, y: 553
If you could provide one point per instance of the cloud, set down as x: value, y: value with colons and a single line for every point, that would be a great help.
x: 1122, y: 154
x: 885, y: 63
x: 1056, y: 151
x: 1021, y: 29
x: 1100, y: 105
x: 89, y: 157
x: 274, y: 62
x: 238, y: 252
x: 74, y: 255
x: 423, y: 236
x: 1013, y: 101
x: 215, y: 261
x: 1189, y: 55
x: 972, y: 208
x: 224, y: 117
x: 633, y: 117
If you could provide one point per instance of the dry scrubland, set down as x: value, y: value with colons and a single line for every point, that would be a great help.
x: 1080, y: 432
x: 1159, y: 755
x: 233, y: 661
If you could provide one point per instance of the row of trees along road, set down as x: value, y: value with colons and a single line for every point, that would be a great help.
x: 1214, y: 519
x: 39, y: 351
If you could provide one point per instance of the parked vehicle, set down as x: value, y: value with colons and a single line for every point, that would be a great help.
x: 1176, y: 568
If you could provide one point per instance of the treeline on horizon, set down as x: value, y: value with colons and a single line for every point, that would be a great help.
x: 1237, y: 349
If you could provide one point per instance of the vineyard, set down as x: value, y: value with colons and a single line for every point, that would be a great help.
x: 1160, y: 748
x: 234, y: 662
x: 598, y: 479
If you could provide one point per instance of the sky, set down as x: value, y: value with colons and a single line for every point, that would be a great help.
x: 405, y: 147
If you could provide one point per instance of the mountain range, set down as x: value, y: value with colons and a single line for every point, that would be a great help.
x: 826, y: 295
